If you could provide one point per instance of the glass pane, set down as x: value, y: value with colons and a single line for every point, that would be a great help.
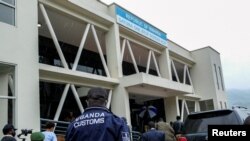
x: 7, y: 92
x: 50, y: 95
x: 191, y: 106
x: 11, y: 2
x: 7, y: 14
x: 7, y: 111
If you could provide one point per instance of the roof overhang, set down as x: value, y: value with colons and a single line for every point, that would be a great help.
x: 55, y: 74
x: 146, y: 84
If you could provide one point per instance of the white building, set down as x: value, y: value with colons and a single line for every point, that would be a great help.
x: 46, y: 70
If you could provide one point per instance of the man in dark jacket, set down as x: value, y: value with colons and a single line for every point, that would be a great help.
x: 97, y: 123
x: 153, y: 134
x: 9, y: 132
x: 178, y: 126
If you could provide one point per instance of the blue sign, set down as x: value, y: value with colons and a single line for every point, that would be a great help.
x: 138, y: 25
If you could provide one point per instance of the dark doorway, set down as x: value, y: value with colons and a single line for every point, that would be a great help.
x: 138, y: 120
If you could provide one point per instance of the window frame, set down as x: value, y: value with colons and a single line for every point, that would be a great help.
x: 216, y: 75
x: 221, y: 78
x: 13, y: 98
x: 11, y: 6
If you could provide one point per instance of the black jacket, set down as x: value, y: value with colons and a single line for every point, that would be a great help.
x: 153, y: 135
x: 8, y: 138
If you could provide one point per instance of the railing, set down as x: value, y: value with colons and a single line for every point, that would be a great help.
x: 61, y: 128
x: 136, y: 136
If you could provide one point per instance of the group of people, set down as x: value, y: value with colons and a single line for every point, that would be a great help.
x: 162, y: 131
x: 97, y: 123
x: 9, y: 132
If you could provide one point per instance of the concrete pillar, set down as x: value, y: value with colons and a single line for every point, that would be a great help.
x: 120, y: 97
x: 120, y: 103
x: 164, y: 64
x: 113, y: 51
x: 170, y: 108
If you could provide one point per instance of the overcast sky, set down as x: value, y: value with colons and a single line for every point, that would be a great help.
x: 222, y: 24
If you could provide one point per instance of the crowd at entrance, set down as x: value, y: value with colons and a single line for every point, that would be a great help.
x: 98, y: 123
x: 162, y: 131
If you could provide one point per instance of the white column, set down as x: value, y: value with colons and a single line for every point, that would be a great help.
x: 170, y: 108
x: 165, y: 64
x: 113, y: 51
x: 120, y: 103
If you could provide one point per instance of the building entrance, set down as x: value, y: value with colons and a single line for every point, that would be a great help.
x: 144, y: 109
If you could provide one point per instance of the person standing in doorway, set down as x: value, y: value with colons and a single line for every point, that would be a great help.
x: 49, y: 132
x: 178, y: 126
x: 97, y: 123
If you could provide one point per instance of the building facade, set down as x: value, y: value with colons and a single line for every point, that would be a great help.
x: 53, y: 51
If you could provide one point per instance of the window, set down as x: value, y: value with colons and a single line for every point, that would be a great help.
x: 206, y: 105
x: 221, y: 79
x: 225, y: 105
x: 215, y: 71
x: 191, y: 106
x: 221, y: 107
x: 7, y: 11
x: 7, y: 94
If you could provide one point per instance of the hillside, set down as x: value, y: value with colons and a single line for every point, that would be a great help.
x: 239, y: 97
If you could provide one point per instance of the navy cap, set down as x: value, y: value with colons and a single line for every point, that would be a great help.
x: 7, y: 128
x: 97, y: 93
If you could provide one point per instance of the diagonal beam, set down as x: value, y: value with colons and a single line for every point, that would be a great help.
x: 156, y: 64
x: 100, y: 51
x: 62, y: 100
x: 78, y: 55
x: 109, y: 99
x: 175, y: 72
x: 190, y: 80
x: 78, y: 101
x: 132, y: 56
x: 184, y: 74
x: 53, y: 35
x: 189, y: 77
x: 149, y: 60
x: 182, y: 108
x: 11, y: 84
x: 123, y: 49
x: 186, y: 107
